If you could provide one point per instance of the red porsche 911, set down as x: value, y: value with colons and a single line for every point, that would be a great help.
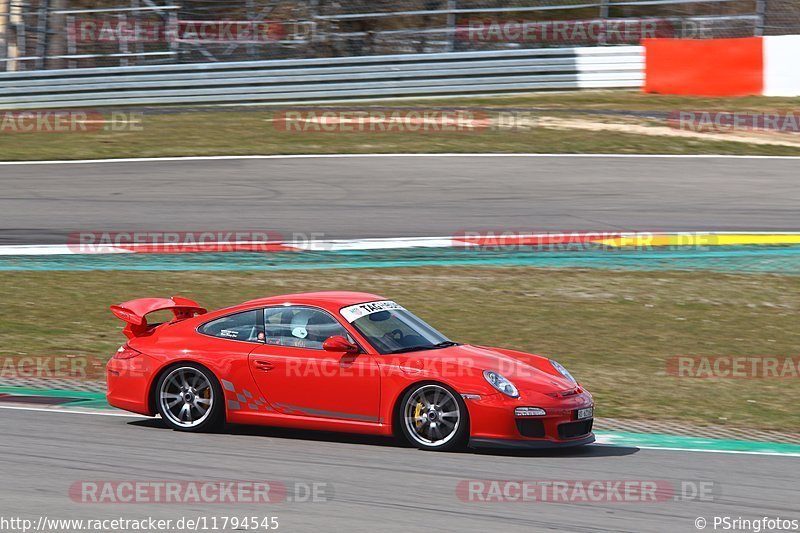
x: 339, y: 361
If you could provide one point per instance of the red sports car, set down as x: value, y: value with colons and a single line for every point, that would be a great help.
x: 339, y: 361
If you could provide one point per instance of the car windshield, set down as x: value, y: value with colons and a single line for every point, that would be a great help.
x: 390, y: 328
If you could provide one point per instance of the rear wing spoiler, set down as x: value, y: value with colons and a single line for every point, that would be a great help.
x: 135, y: 311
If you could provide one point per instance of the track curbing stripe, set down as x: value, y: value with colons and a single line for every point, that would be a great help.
x: 696, y: 444
x: 611, y: 239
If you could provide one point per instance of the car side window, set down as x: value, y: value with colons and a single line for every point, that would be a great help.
x: 300, y: 327
x: 243, y: 326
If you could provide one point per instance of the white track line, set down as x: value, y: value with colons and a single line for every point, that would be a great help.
x: 70, y: 411
x: 772, y: 454
x: 356, y: 156
x: 602, y: 441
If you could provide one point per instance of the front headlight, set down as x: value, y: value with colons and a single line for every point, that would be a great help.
x: 563, y: 371
x: 500, y: 383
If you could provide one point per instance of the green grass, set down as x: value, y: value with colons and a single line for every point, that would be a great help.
x: 223, y: 132
x: 615, y: 330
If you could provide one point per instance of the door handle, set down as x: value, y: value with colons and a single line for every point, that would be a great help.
x: 266, y: 366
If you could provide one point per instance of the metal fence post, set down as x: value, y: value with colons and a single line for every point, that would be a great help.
x: 16, y: 41
x: 42, y: 34
x: 761, y: 9
x: 137, y: 21
x: 174, y: 30
x: 72, y: 46
x: 451, y: 24
x: 314, y: 34
x: 4, y: 24
x: 56, y: 45
x: 603, y: 9
x: 22, y: 34
x: 122, y: 27
x: 250, y: 9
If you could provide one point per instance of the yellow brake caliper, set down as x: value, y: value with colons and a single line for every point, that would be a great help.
x: 417, y: 413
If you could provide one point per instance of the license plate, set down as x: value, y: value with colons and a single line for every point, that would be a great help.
x: 585, y: 413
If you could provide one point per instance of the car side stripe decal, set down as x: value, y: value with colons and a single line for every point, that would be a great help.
x: 245, y: 400
x: 332, y: 414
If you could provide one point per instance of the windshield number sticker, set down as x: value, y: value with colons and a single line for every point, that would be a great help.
x: 354, y: 312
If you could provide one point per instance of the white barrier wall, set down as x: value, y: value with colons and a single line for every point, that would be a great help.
x: 782, y: 65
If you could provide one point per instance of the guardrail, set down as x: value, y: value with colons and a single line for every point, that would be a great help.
x: 327, y: 79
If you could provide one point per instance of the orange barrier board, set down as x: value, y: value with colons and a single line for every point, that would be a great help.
x: 712, y: 67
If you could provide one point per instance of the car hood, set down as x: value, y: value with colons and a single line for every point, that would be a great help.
x: 526, y: 371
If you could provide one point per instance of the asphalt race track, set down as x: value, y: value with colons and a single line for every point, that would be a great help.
x: 354, y: 197
x: 376, y: 484
x: 373, y: 484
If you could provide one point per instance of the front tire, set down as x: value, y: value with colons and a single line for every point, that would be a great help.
x: 189, y: 398
x: 434, y: 417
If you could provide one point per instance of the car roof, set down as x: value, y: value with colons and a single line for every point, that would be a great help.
x: 331, y: 300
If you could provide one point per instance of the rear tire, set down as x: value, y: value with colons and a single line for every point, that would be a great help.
x: 434, y: 417
x: 189, y: 398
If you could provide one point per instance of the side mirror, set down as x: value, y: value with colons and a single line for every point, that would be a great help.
x: 338, y: 343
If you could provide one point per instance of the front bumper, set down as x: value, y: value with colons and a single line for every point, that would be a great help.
x: 529, y: 444
x: 493, y: 422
